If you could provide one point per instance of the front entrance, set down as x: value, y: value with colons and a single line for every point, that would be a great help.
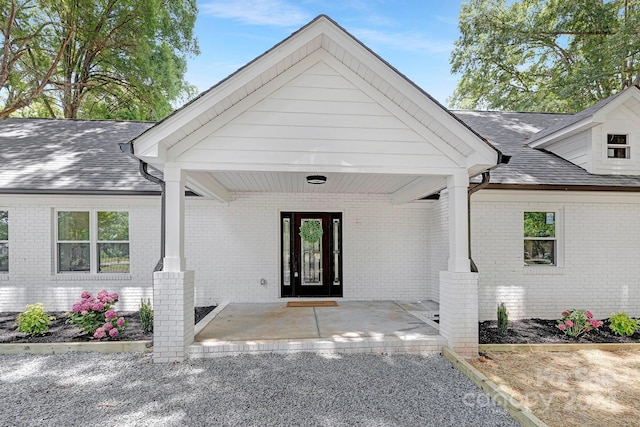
x: 311, y: 258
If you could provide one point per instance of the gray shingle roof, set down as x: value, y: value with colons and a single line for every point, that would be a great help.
x: 69, y: 156
x: 509, y: 132
x: 570, y: 119
x: 82, y: 156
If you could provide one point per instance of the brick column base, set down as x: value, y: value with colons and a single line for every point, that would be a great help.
x: 173, y: 315
x: 459, y: 311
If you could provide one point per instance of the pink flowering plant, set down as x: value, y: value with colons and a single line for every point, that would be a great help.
x: 576, y: 322
x: 95, y: 315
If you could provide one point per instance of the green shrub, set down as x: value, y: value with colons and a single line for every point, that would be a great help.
x: 146, y: 316
x: 33, y: 320
x: 622, y: 324
x: 503, y: 319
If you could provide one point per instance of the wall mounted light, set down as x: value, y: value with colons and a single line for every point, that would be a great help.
x: 316, y: 179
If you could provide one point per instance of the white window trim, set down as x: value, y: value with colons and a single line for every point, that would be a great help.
x: 627, y: 146
x: 619, y: 129
x: 93, y: 243
x: 559, y: 239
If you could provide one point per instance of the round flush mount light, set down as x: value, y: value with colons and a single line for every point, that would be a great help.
x: 316, y: 179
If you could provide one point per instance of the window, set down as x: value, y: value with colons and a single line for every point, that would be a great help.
x: 4, y: 242
x: 92, y: 242
x: 540, y: 243
x: 618, y: 146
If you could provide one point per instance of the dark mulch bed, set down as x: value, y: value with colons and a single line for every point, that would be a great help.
x: 544, y: 331
x: 59, y: 331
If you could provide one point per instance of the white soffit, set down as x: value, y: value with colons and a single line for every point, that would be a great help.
x: 295, y: 182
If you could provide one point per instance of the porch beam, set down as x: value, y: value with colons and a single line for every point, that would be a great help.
x: 205, y: 185
x: 420, y: 187
x: 175, y: 180
x: 457, y: 185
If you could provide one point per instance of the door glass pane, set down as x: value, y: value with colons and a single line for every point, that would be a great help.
x: 286, y: 251
x: 336, y: 252
x: 311, y: 258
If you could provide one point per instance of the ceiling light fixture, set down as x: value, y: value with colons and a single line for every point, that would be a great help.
x: 316, y: 179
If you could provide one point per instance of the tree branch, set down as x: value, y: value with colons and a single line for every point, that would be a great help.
x: 23, y: 102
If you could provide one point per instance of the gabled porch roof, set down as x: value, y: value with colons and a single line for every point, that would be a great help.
x: 318, y: 102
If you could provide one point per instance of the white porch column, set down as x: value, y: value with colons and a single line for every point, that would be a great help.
x: 458, y: 286
x: 173, y: 287
x: 457, y: 186
x: 175, y: 179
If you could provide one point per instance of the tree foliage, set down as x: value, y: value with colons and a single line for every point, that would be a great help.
x: 545, y: 55
x: 121, y: 59
x: 539, y: 224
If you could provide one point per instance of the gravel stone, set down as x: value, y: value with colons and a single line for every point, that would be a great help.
x: 128, y: 389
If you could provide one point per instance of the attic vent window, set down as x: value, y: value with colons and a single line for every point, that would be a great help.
x: 618, y: 146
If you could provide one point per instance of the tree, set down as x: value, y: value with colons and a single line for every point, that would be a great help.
x: 121, y: 59
x: 25, y: 65
x: 545, y: 55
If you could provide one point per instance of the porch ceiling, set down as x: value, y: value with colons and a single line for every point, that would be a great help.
x: 295, y: 182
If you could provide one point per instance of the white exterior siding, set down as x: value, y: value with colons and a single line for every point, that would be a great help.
x: 317, y: 118
x: 32, y: 277
x: 576, y: 149
x: 619, y: 121
x: 599, y: 240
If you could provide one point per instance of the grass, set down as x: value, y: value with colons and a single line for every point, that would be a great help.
x: 585, y: 387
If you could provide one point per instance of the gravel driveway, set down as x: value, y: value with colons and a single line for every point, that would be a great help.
x: 128, y: 389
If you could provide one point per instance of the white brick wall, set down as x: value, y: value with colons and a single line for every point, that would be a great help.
x: 389, y: 252
x: 230, y: 247
x: 439, y: 243
x: 600, y: 245
x: 31, y: 275
x: 173, y: 319
x: 459, y: 311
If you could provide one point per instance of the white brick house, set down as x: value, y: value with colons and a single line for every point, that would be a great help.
x: 398, y: 169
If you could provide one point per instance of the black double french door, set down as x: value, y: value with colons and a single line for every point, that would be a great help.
x: 311, y: 256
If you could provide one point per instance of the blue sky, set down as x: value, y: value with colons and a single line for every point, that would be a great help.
x: 416, y: 36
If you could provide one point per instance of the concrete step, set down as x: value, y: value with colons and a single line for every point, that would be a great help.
x: 384, y: 345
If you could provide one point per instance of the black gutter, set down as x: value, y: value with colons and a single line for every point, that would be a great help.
x: 127, y: 148
x: 486, y: 177
x: 51, y: 192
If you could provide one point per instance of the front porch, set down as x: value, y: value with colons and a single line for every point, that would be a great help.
x: 350, y: 327
x: 318, y: 130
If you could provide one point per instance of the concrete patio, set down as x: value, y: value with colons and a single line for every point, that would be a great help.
x: 349, y: 327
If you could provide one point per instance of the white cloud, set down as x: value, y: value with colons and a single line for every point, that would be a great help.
x: 409, y: 41
x: 277, y: 13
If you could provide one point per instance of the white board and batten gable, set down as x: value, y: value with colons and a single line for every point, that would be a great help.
x: 318, y: 102
x: 603, y: 139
